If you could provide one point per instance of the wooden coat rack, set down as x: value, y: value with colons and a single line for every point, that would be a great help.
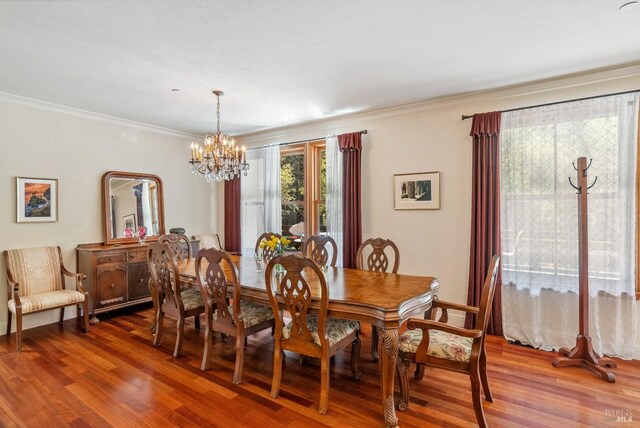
x: 583, y: 354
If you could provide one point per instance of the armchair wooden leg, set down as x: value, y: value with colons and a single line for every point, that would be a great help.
x: 61, y: 315
x: 483, y: 375
x: 374, y: 343
x: 324, y: 384
x: 402, y: 369
x: 208, y: 344
x: 355, y: 357
x: 179, y: 335
x: 277, y: 371
x: 85, y: 315
x: 19, y: 330
x: 9, y: 316
x: 476, y: 395
x: 237, y: 374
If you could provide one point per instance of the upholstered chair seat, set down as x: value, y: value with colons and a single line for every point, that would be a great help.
x: 36, y: 283
x: 250, y: 313
x: 443, y: 345
x: 336, y: 329
x: 191, y: 298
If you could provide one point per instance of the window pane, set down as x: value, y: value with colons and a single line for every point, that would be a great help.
x: 323, y: 176
x: 322, y: 219
x: 292, y: 190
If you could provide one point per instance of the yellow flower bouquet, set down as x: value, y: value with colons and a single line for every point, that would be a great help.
x: 275, y: 244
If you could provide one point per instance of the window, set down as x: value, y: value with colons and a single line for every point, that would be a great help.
x: 539, y: 209
x: 303, y: 190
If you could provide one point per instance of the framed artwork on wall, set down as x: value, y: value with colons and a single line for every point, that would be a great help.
x: 36, y: 200
x: 417, y: 191
x: 129, y: 222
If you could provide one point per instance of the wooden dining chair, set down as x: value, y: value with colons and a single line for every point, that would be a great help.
x: 438, y: 344
x: 225, y: 312
x: 316, y: 249
x: 36, y: 283
x: 172, y: 300
x: 267, y: 253
x: 311, y: 335
x: 179, y: 244
x: 377, y: 261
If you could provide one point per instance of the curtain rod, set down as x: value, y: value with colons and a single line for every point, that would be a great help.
x: 289, y: 143
x: 469, y: 116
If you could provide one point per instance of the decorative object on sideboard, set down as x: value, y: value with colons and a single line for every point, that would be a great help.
x: 178, y: 230
x: 142, y: 234
x: 417, y: 191
x: 218, y: 159
x: 131, y: 200
x: 36, y: 200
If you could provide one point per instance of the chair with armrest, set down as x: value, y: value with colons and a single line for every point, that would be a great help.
x: 171, y: 299
x: 316, y: 248
x: 208, y: 241
x: 225, y: 312
x: 377, y: 261
x: 35, y: 279
x: 437, y: 344
x: 311, y: 335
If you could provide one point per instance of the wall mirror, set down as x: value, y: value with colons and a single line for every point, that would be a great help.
x: 130, y: 200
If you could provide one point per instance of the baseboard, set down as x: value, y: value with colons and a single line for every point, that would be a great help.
x: 3, y: 327
x: 38, y: 320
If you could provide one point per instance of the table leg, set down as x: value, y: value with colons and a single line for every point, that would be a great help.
x: 388, y: 344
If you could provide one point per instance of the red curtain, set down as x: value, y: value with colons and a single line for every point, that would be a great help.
x: 232, y: 215
x: 485, y: 213
x: 351, y: 148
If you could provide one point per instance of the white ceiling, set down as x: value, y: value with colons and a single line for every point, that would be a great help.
x: 284, y: 62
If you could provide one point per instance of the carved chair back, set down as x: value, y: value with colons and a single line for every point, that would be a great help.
x: 488, y: 291
x: 316, y: 248
x: 163, y: 266
x: 214, y: 286
x: 267, y: 253
x: 179, y: 244
x: 294, y: 291
x: 378, y: 260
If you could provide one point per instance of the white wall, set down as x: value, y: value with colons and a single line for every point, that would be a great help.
x: 47, y: 141
x: 431, y: 136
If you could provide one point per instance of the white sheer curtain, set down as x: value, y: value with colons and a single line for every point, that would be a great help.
x: 334, y: 193
x: 260, y: 204
x: 539, y: 222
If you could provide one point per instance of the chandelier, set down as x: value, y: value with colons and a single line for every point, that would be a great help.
x: 218, y: 158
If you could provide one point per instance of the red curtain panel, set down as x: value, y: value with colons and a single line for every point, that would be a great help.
x: 351, y: 148
x: 232, y: 215
x: 485, y: 213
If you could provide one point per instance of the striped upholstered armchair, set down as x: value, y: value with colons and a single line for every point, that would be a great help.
x: 35, y: 278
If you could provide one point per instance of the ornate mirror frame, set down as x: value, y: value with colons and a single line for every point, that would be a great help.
x: 108, y: 220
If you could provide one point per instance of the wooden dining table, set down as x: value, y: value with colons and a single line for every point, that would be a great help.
x: 381, y: 299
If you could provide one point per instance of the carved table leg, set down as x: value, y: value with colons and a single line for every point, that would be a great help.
x: 388, y: 342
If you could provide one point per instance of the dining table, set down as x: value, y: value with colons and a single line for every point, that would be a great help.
x: 384, y: 300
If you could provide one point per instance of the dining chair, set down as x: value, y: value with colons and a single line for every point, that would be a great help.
x: 311, y: 335
x: 225, y: 311
x: 267, y: 253
x: 438, y: 344
x: 316, y: 248
x: 36, y: 283
x: 377, y: 260
x: 172, y: 300
x: 179, y: 243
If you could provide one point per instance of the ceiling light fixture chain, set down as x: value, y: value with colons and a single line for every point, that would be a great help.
x: 219, y: 158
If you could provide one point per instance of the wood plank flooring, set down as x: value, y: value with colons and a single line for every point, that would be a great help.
x: 114, y: 376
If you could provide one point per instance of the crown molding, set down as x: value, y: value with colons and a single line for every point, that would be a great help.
x: 58, y: 108
x: 505, y: 93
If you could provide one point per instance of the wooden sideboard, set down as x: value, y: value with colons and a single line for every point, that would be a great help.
x: 117, y: 275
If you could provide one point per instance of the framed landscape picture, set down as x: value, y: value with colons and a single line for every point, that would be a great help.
x: 37, y: 200
x: 417, y: 191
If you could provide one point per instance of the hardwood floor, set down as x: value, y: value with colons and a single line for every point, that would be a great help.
x: 114, y: 376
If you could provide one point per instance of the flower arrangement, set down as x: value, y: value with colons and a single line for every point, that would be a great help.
x: 275, y: 244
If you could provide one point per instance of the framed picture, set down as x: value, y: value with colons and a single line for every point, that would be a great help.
x: 129, y: 221
x: 418, y: 191
x: 36, y: 200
